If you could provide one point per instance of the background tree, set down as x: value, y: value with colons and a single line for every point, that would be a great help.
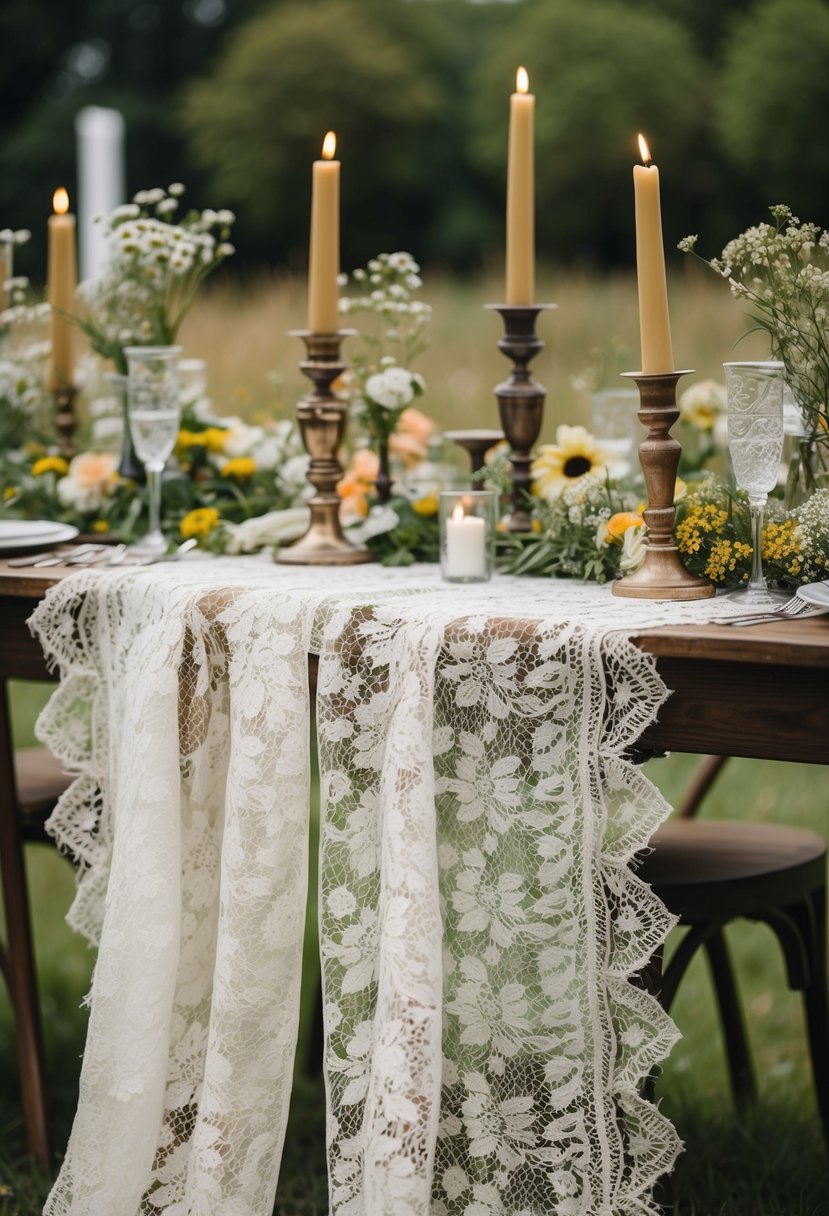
x: 774, y: 102
x: 376, y: 73
x: 602, y: 72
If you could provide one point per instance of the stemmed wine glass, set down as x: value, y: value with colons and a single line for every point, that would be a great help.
x: 154, y: 415
x: 755, y: 442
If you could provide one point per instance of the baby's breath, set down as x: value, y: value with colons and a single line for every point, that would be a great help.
x: 155, y: 265
x: 782, y: 270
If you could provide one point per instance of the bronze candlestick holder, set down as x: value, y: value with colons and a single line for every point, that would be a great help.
x: 65, y: 421
x: 520, y: 403
x: 662, y: 575
x: 476, y: 444
x: 322, y: 418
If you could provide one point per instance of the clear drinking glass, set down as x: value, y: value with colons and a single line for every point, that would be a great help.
x: 616, y: 426
x: 755, y: 443
x: 154, y: 415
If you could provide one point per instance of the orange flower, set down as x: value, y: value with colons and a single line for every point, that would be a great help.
x: 619, y: 523
x: 408, y: 443
x: 358, y: 480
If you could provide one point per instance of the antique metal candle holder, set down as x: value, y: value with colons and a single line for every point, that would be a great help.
x: 322, y: 419
x: 65, y: 421
x: 662, y: 575
x: 476, y: 444
x: 520, y: 403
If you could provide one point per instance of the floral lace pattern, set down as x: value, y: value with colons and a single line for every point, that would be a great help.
x: 480, y: 923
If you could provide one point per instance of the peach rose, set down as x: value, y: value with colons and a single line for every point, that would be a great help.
x: 91, y: 479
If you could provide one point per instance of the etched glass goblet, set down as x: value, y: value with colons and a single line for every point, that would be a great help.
x: 154, y: 415
x: 755, y: 443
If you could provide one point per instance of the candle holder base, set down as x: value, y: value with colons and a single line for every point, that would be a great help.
x: 520, y: 403
x: 322, y: 418
x: 65, y: 421
x: 662, y: 575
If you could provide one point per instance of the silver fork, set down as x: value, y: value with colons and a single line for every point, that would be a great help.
x: 793, y: 608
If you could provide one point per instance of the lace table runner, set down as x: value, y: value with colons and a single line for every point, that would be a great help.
x: 480, y: 924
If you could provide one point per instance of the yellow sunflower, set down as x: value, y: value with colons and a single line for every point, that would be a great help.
x: 575, y: 454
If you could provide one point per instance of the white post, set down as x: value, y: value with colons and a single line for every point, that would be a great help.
x: 101, y: 184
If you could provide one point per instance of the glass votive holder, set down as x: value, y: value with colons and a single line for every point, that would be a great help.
x: 467, y: 535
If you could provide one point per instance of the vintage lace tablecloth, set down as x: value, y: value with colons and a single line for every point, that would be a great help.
x: 480, y: 924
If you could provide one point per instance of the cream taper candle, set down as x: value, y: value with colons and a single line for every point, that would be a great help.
x: 521, y: 195
x: 324, y: 254
x: 62, y: 283
x: 654, y: 320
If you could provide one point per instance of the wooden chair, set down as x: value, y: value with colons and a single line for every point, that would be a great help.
x: 30, y: 783
x: 710, y: 873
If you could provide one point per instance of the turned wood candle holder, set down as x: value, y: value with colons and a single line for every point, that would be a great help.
x: 520, y: 403
x: 322, y: 419
x: 65, y: 421
x: 662, y: 575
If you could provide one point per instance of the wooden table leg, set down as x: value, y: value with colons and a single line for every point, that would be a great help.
x: 21, y: 966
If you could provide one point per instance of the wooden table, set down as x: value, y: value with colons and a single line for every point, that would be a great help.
x: 761, y: 691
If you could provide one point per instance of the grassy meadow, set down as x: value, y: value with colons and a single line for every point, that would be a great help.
x: 770, y: 1163
x: 241, y: 329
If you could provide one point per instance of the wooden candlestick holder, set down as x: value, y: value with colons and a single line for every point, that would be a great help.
x: 662, y: 575
x: 322, y: 419
x: 520, y: 403
x: 476, y: 444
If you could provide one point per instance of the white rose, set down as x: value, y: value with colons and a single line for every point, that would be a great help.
x: 242, y: 440
x: 633, y: 549
x: 380, y: 519
x: 277, y: 527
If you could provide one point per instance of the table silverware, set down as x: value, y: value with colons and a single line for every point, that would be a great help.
x: 793, y: 609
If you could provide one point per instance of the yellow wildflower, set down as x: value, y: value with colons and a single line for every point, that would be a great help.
x: 781, y: 541
x: 703, y: 519
x: 9, y: 492
x: 189, y: 439
x: 426, y: 506
x: 214, y: 438
x: 50, y: 464
x: 100, y: 525
x: 199, y: 523
x: 724, y: 556
x: 240, y: 469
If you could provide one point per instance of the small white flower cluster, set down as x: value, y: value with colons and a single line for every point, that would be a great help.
x: 393, y: 388
x: 153, y: 269
x: 25, y: 348
x: 782, y: 269
x: 388, y: 285
x: 813, y: 528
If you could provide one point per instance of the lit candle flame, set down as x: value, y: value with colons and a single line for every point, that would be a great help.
x: 329, y: 146
x: 60, y: 201
x: 458, y: 511
x: 644, y: 150
x: 522, y: 81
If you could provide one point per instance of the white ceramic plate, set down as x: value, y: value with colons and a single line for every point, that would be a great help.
x: 31, y: 534
x: 816, y: 594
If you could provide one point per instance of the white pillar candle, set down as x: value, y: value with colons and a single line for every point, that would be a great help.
x: 465, y: 545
